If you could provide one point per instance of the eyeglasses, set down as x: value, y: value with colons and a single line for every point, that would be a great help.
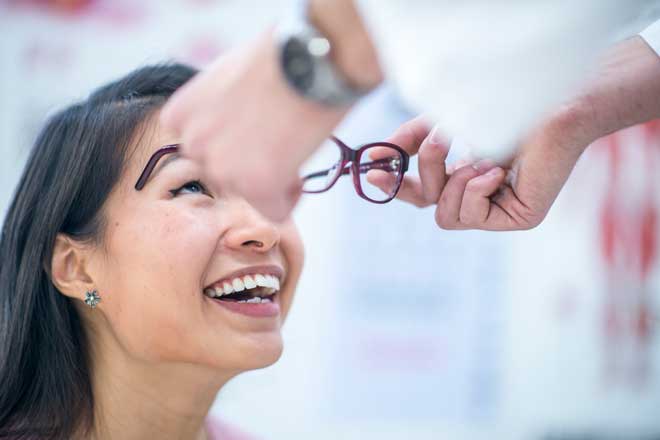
x: 379, y: 163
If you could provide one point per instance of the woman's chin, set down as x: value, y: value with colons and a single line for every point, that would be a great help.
x: 266, y: 351
x: 268, y: 360
x: 256, y: 352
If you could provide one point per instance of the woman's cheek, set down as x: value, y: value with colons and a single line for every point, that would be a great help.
x: 184, y: 226
x: 163, y: 250
x: 292, y: 247
x: 159, y: 265
x: 294, y: 254
x: 185, y: 243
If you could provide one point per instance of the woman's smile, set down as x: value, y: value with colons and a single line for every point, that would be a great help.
x: 251, y: 291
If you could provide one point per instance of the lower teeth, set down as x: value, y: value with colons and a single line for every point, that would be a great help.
x: 255, y: 300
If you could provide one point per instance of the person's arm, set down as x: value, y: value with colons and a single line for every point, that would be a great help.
x: 488, y: 75
x: 625, y: 91
x: 466, y: 66
x: 249, y: 128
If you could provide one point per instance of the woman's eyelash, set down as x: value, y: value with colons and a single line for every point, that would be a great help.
x: 193, y: 187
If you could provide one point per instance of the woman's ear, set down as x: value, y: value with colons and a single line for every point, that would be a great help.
x: 69, y: 267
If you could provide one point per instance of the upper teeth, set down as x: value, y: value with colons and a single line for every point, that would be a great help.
x: 270, y: 282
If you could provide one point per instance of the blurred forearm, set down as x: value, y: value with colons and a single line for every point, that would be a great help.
x: 625, y: 91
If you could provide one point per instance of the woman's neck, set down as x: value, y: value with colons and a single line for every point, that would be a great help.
x: 138, y: 400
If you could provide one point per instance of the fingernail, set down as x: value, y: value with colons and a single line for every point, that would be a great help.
x: 483, y: 165
x: 460, y: 164
x: 436, y: 138
x: 494, y: 172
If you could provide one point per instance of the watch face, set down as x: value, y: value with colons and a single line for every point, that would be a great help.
x: 298, y: 64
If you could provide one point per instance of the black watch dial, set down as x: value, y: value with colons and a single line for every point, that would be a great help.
x: 298, y: 64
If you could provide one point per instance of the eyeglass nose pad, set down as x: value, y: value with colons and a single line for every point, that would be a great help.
x: 332, y: 173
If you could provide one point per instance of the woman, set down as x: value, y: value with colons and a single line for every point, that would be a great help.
x: 112, y: 259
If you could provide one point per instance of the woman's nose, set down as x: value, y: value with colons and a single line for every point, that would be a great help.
x: 251, y: 231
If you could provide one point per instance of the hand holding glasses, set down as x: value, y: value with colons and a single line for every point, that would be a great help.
x: 383, y: 162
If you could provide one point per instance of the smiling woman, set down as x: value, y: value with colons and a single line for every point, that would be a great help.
x: 131, y: 292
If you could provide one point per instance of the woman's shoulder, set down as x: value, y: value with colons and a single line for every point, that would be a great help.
x: 220, y: 430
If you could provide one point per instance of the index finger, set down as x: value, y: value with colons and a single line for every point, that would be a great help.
x: 409, y: 136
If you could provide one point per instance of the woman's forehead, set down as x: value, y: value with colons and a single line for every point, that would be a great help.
x: 151, y: 139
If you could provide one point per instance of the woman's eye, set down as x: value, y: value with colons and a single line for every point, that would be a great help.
x: 193, y: 187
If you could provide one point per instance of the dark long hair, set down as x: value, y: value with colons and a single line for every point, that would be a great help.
x: 45, y: 387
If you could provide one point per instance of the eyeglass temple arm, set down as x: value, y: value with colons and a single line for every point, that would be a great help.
x: 152, y: 162
x: 384, y: 164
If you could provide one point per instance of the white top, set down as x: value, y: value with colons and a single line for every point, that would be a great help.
x: 487, y: 71
x: 652, y: 36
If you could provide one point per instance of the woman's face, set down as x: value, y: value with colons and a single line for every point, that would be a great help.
x: 172, y: 245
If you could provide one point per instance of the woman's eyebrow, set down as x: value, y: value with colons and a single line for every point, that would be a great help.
x: 150, y: 168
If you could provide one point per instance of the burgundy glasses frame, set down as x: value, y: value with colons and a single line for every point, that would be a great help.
x: 153, y: 161
x: 353, y: 156
x: 348, y: 156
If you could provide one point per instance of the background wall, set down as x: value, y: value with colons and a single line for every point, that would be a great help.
x: 400, y: 330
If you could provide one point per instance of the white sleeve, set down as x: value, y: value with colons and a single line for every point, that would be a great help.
x: 486, y: 73
x: 652, y: 36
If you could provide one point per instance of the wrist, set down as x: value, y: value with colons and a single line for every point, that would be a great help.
x: 574, y: 125
x: 353, y: 52
x: 306, y: 121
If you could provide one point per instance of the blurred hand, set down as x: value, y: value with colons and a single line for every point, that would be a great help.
x: 623, y: 91
x: 247, y: 127
x: 251, y: 133
x: 483, y: 195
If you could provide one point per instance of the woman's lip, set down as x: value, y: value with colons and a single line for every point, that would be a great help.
x: 255, y: 310
x: 252, y: 270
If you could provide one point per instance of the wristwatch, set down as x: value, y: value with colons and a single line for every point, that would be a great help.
x: 307, y: 65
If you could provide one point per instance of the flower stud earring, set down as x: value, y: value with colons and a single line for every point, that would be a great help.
x: 92, y: 298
